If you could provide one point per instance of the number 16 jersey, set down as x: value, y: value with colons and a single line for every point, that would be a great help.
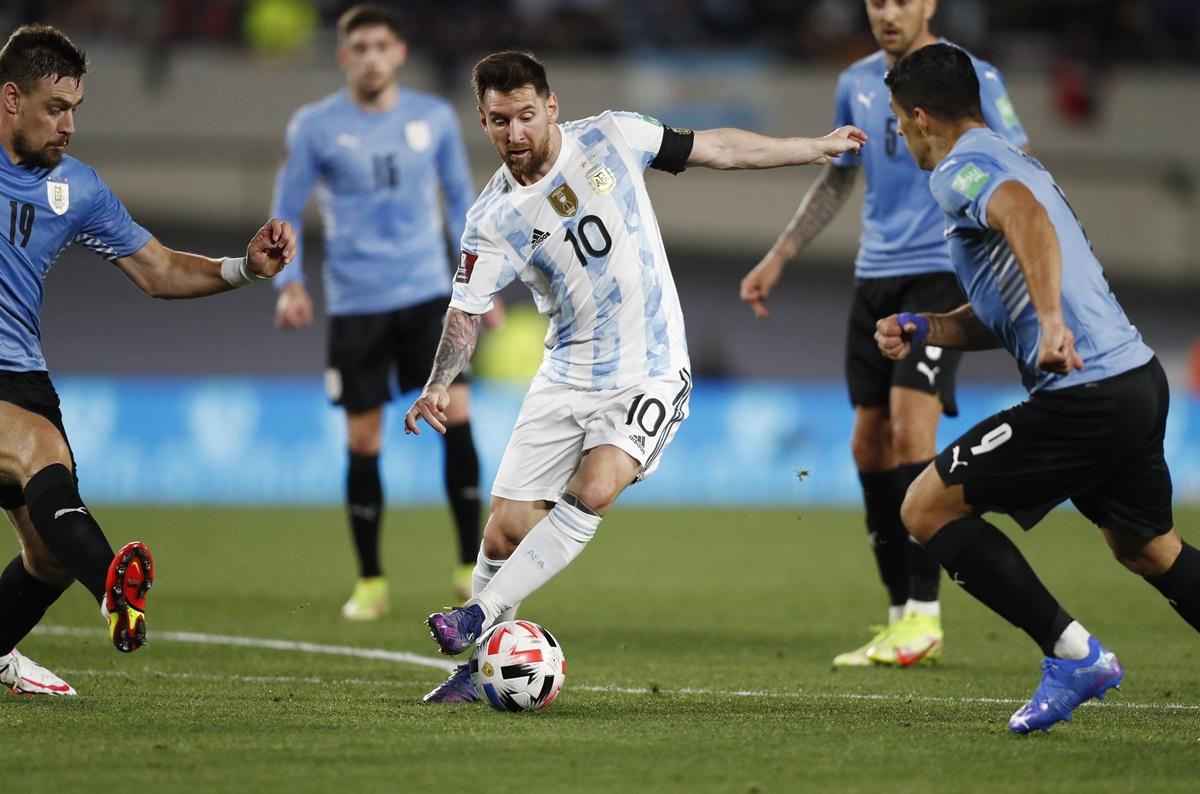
x: 585, y: 240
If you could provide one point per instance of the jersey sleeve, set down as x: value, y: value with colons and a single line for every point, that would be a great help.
x: 454, y: 172
x: 964, y: 189
x: 998, y: 110
x: 657, y: 145
x: 108, y: 229
x: 293, y: 183
x: 483, y: 270
x: 842, y: 115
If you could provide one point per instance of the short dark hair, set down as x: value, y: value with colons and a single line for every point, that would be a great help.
x: 37, y: 51
x: 940, y: 79
x: 368, y: 15
x: 507, y: 71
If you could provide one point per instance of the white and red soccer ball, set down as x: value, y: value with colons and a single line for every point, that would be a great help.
x: 518, y: 666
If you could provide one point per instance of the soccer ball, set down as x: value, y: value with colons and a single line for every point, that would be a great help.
x: 518, y: 666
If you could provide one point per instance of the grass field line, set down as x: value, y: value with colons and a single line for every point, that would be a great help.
x: 404, y: 657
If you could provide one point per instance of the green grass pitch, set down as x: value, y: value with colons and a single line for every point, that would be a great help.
x: 697, y: 644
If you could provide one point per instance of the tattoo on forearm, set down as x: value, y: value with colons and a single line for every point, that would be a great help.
x: 816, y: 210
x: 459, y: 335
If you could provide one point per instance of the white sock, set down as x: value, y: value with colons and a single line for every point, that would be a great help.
x: 1073, y: 642
x: 485, y: 569
x: 930, y: 609
x: 895, y: 614
x: 547, y: 549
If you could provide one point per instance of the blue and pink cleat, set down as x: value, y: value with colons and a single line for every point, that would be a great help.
x: 455, y: 689
x: 456, y: 630
x: 1066, y: 683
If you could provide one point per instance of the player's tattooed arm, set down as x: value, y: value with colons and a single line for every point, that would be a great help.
x: 959, y: 330
x: 459, y: 336
x: 822, y: 201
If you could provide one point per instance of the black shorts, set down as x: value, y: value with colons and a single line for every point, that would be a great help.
x: 932, y: 370
x: 34, y: 392
x: 364, y: 349
x: 1099, y: 445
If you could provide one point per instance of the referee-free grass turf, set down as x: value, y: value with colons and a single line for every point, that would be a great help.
x: 697, y: 645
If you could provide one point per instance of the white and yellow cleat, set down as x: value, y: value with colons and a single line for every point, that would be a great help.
x: 860, y: 657
x: 369, y: 601
x: 916, y: 638
x: 26, y: 677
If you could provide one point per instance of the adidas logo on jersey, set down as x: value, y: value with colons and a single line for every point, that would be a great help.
x: 640, y: 441
x: 538, y: 238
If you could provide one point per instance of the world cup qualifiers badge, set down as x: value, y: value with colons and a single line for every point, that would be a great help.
x: 602, y: 180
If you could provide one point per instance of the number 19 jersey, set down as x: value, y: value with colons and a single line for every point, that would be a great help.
x: 585, y: 240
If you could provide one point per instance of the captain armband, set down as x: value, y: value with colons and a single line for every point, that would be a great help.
x: 676, y: 147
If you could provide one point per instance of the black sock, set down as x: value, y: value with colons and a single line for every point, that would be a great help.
x: 462, y: 488
x: 883, y: 492
x: 23, y: 601
x: 67, y: 528
x: 1181, y: 585
x: 924, y: 573
x: 364, y: 502
x: 984, y: 562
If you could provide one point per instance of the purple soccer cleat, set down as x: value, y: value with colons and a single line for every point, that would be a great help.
x: 456, y: 630
x: 455, y: 689
x: 1066, y: 683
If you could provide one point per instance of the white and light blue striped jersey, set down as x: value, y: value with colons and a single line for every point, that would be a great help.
x: 963, y: 184
x: 377, y: 178
x: 901, y: 224
x: 47, y: 210
x: 585, y: 240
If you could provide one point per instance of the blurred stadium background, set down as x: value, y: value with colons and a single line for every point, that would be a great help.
x: 187, y: 102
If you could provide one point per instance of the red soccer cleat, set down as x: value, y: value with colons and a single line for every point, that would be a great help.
x: 130, y: 576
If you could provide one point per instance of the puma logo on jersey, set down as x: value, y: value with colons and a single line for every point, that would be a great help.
x: 538, y: 238
x: 64, y: 511
x: 956, y: 462
x: 928, y: 371
x: 866, y: 99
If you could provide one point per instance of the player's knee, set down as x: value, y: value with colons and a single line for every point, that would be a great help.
x: 496, y: 546
x: 917, y: 515
x: 868, y: 451
x: 1152, y: 557
x: 45, y: 567
x: 506, y: 527
x: 48, y: 447
x: 364, y: 444
x: 911, y: 442
x: 596, y: 494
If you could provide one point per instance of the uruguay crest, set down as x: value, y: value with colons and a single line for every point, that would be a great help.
x: 59, y: 196
x: 563, y: 200
x: 419, y: 135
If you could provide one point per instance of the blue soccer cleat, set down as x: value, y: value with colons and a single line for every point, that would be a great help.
x: 1065, y: 684
x: 456, y: 630
x: 455, y: 689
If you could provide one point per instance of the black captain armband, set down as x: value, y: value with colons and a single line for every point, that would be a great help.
x: 673, y: 154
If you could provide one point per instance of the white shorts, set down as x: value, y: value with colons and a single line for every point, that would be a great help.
x: 558, y: 423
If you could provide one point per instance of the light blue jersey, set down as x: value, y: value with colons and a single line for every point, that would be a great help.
x: 377, y: 178
x: 585, y: 240
x: 963, y: 184
x: 902, y: 229
x: 47, y: 210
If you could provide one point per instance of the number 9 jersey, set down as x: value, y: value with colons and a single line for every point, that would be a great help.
x: 585, y: 240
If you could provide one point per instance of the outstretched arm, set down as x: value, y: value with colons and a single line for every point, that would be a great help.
x: 1014, y: 211
x: 459, y: 335
x: 733, y: 149
x: 960, y: 329
x: 822, y: 201
x: 161, y: 272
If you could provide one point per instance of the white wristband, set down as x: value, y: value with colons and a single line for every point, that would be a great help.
x: 234, y: 271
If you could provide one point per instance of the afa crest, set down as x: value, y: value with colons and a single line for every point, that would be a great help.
x: 564, y: 201
x: 59, y: 196
x: 602, y: 180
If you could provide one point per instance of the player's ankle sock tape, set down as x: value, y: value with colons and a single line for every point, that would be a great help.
x: 924, y: 572
x: 883, y: 493
x: 462, y: 487
x: 67, y: 528
x: 1181, y: 585
x: 984, y: 562
x: 364, y: 499
x: 23, y: 601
